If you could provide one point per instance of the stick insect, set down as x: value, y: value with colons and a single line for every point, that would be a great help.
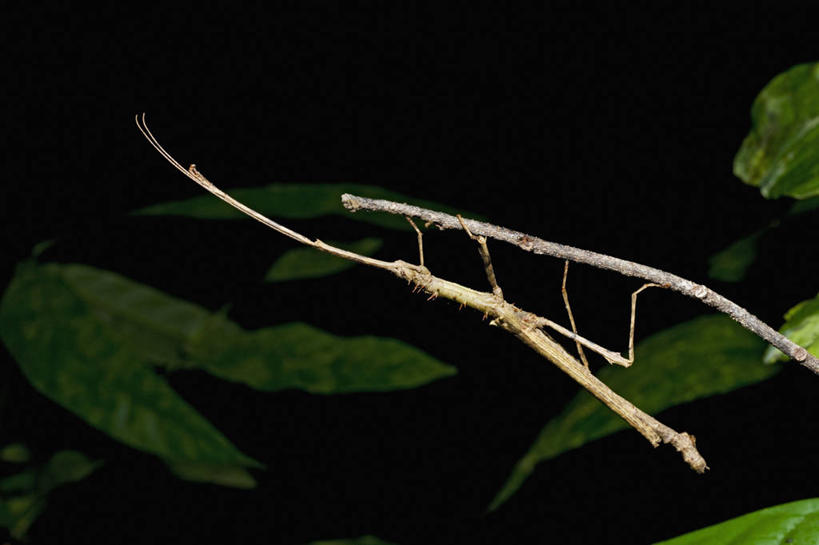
x: 609, y: 355
x: 526, y: 326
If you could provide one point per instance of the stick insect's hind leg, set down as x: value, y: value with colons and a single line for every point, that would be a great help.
x: 483, y: 249
x: 609, y: 355
x: 571, y: 316
x: 420, y: 241
x: 633, y: 316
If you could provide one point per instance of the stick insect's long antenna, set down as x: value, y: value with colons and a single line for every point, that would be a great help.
x: 200, y: 179
x: 149, y: 136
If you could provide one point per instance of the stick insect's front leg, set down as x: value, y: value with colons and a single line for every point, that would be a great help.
x: 483, y: 249
x: 420, y: 240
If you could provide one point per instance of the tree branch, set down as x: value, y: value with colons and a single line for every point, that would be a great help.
x: 537, y: 245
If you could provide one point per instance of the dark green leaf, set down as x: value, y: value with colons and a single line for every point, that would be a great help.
x: 41, y: 247
x: 67, y: 350
x: 232, y: 476
x: 15, y: 453
x: 300, y: 356
x: 6, y: 516
x: 27, y: 491
x: 22, y: 511
x: 311, y: 263
x: 167, y: 331
x: 731, y: 264
x: 66, y: 466
x: 25, y: 481
x: 706, y: 356
x: 795, y: 523
x: 801, y: 207
x: 296, y: 201
x: 802, y: 327
x: 363, y: 540
x: 152, y: 323
x: 781, y: 153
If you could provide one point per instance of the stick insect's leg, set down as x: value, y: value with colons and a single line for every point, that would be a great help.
x: 571, y: 316
x: 611, y: 356
x: 487, y: 261
x: 633, y: 316
x: 420, y: 240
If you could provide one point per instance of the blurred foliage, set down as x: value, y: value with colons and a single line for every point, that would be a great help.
x: 781, y: 153
x: 795, y: 523
x: 297, y: 355
x: 300, y: 263
x: 802, y: 327
x: 731, y: 264
x: 803, y: 206
x: 88, y: 339
x: 232, y: 476
x: 67, y: 348
x: 23, y: 495
x: 15, y: 453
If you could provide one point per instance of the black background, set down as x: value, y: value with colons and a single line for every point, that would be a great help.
x: 606, y: 129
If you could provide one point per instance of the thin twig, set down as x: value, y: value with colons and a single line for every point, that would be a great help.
x: 522, y: 324
x: 628, y: 268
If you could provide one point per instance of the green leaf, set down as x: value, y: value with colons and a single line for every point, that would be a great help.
x: 705, y: 356
x: 68, y: 352
x: 6, y: 516
x: 23, y: 511
x: 311, y: 263
x: 804, y: 206
x: 16, y: 453
x: 802, y: 327
x: 66, y: 466
x: 731, y: 264
x: 296, y: 201
x: 781, y: 153
x: 24, y: 481
x: 363, y: 540
x: 41, y: 247
x: 232, y: 476
x: 30, y: 488
x: 163, y: 330
x: 795, y: 523
x: 297, y: 355
x: 151, y: 322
